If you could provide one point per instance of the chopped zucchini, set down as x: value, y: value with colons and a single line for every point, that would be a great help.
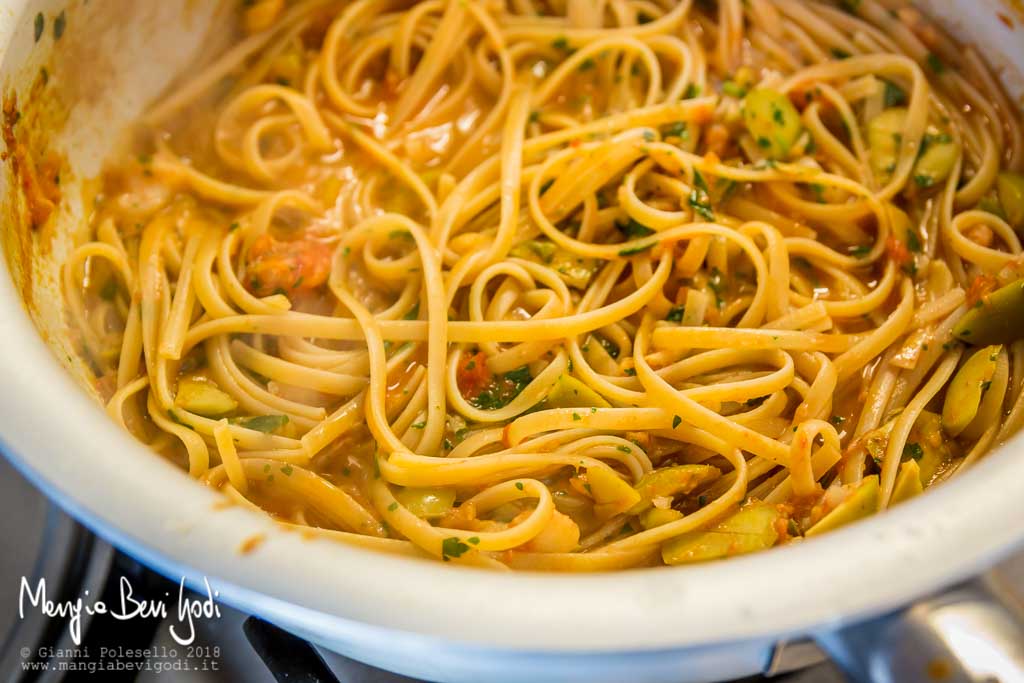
x: 1010, y: 187
x: 569, y: 392
x: 658, y: 516
x: 772, y: 120
x: 753, y: 527
x: 611, y: 494
x: 428, y: 503
x: 862, y: 502
x: 996, y: 319
x: 669, y: 482
x: 908, y: 482
x: 262, y: 423
x: 936, y: 163
x: 885, y: 136
x: 575, y: 270
x: 203, y: 398
x: 533, y: 250
x: 885, y: 139
x: 964, y: 393
x: 927, y: 445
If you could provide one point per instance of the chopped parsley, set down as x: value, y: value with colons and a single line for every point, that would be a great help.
x: 639, y: 249
x: 692, y: 90
x: 501, y: 390
x: 716, y: 281
x: 913, y: 450
x: 393, y: 507
x: 893, y: 95
x: 934, y: 63
x: 701, y: 205
x: 262, y: 423
x: 677, y: 129
x: 59, y: 24
x: 913, y: 242
x: 40, y: 25
x: 611, y: 348
x: 676, y: 421
x: 839, y: 54
x: 633, y: 229
x: 675, y: 314
x: 519, y: 485
x: 733, y: 89
x: 452, y: 547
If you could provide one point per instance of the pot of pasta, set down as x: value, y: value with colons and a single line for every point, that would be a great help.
x: 575, y: 340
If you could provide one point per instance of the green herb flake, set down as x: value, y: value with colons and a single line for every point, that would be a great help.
x: 913, y: 450
x: 675, y: 314
x: 624, y: 449
x: 913, y: 242
x: 893, y: 95
x: 692, y: 90
x: 633, y: 229
x: 610, y: 347
x: 40, y: 26
x: 59, y: 24
x: 676, y: 421
x: 701, y: 205
x: 733, y: 89
x: 452, y: 547
x: 934, y: 63
x: 502, y: 389
x: 393, y: 506
x: 519, y: 485
x: 677, y: 129
x: 262, y: 423
x: 639, y: 249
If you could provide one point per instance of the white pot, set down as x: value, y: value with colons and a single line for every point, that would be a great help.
x: 422, y: 618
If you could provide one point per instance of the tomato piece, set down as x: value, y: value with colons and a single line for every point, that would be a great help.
x: 981, y: 287
x: 897, y: 251
x: 286, y: 267
x: 473, y: 376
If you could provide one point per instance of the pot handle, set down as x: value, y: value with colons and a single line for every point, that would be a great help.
x: 972, y: 633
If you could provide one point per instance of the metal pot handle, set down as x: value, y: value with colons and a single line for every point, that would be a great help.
x: 973, y: 633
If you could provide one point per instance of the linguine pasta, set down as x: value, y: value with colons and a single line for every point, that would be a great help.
x: 566, y: 284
